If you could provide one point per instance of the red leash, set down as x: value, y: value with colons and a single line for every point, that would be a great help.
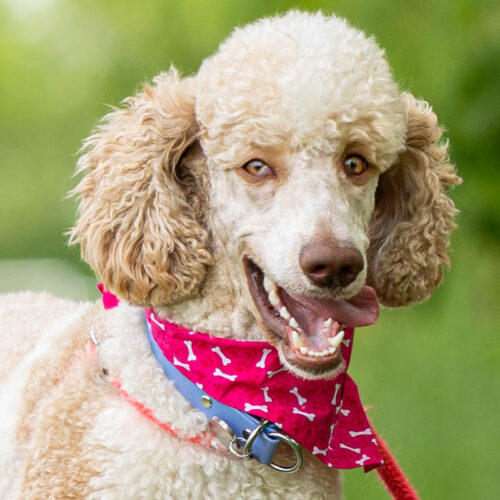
x: 392, y: 476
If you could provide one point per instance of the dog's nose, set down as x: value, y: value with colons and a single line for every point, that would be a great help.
x: 328, y: 265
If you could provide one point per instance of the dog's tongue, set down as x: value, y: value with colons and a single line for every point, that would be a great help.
x: 360, y: 310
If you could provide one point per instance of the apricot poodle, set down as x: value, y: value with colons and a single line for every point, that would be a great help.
x: 267, y: 198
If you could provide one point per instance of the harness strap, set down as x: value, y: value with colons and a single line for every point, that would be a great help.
x: 205, y: 438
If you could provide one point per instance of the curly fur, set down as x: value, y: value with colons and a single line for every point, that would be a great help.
x: 166, y: 214
x: 414, y: 217
x: 137, y: 228
x: 147, y: 240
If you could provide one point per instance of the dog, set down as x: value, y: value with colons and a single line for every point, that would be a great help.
x: 265, y: 199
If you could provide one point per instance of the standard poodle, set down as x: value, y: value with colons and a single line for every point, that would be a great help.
x: 242, y: 221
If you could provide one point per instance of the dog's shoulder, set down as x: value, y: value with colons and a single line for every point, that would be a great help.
x: 31, y: 324
x: 46, y: 371
x: 38, y: 307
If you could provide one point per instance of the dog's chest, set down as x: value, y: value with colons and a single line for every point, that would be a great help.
x: 139, y: 460
x: 136, y: 458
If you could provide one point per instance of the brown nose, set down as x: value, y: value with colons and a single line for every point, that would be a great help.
x: 328, y: 265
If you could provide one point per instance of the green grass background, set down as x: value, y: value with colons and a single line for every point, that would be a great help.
x: 431, y: 372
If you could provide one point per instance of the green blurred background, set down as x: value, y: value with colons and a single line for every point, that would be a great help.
x: 430, y: 371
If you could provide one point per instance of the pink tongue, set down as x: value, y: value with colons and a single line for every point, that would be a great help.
x: 360, y: 310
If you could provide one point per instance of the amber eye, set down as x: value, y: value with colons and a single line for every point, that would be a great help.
x: 355, y: 165
x: 258, y: 168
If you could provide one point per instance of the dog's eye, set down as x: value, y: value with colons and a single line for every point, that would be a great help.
x: 355, y: 165
x: 258, y: 168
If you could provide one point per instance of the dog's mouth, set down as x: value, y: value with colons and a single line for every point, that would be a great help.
x: 310, y: 330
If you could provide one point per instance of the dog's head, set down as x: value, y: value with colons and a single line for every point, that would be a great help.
x: 291, y: 158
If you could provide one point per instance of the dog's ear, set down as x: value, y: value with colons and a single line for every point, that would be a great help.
x: 410, y: 228
x: 138, y: 225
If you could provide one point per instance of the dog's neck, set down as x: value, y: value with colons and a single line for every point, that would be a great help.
x: 333, y: 403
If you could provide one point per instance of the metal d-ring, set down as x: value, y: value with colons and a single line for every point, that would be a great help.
x: 282, y: 437
x: 227, y: 437
x: 294, y: 446
x: 238, y: 441
x: 251, y: 438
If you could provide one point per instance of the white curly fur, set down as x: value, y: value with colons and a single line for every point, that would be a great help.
x: 166, y: 215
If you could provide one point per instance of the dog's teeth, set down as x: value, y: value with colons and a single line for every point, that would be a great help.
x: 335, y: 341
x: 293, y: 323
x: 273, y: 298
x: 284, y: 313
x: 315, y: 354
x: 269, y: 285
x: 297, y: 340
x: 328, y: 322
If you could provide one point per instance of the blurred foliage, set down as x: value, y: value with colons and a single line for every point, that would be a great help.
x: 62, y: 62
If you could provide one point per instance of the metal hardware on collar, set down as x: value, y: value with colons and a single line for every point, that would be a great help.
x: 222, y: 431
x: 239, y: 443
x: 253, y: 434
x: 282, y: 437
x: 242, y: 446
x: 93, y: 337
x: 243, y: 434
x: 295, y: 447
x: 206, y: 401
x: 229, y: 440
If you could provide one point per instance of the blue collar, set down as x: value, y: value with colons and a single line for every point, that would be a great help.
x: 244, y: 435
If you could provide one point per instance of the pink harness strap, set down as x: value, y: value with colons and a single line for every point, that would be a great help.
x: 205, y: 438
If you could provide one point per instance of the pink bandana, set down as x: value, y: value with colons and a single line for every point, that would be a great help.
x: 324, y: 416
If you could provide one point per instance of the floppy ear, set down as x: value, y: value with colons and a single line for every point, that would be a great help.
x: 138, y: 223
x: 410, y: 228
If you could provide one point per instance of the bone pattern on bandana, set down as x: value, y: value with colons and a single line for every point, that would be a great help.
x: 324, y: 416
